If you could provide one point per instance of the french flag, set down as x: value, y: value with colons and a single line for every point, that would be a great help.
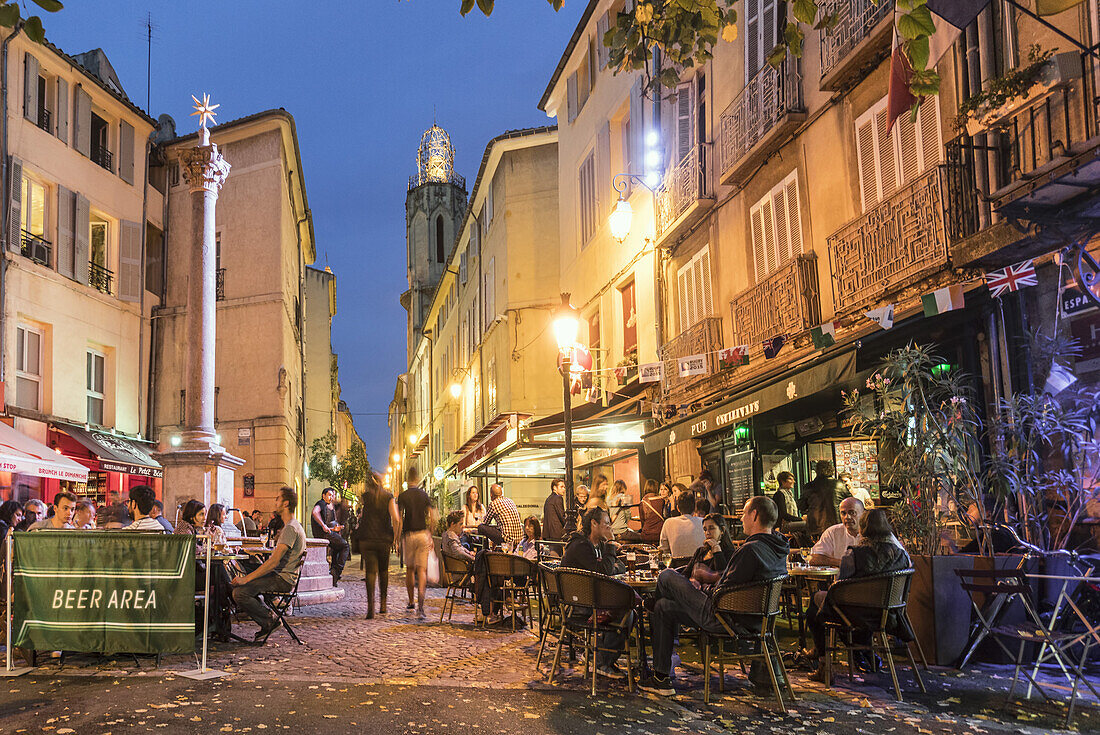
x: 951, y: 17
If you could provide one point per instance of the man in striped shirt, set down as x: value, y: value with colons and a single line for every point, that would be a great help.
x: 509, y: 524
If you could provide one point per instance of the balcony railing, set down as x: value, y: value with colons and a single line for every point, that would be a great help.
x: 786, y: 302
x: 763, y: 105
x: 103, y: 157
x: 703, y: 336
x: 893, y: 245
x: 453, y: 178
x: 36, y: 248
x: 219, y: 284
x: 44, y: 118
x: 1029, y: 158
x: 99, y: 277
x: 843, y: 51
x: 686, y: 184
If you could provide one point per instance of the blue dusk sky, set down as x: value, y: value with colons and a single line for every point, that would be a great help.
x: 363, y: 81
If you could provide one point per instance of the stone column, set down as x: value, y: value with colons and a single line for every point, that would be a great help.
x: 199, y: 467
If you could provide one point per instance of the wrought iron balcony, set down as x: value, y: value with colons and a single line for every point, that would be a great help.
x: 893, y: 245
x: 858, y: 42
x: 766, y: 112
x: 703, y: 336
x: 103, y: 157
x: 1035, y: 164
x: 36, y: 248
x: 99, y: 277
x: 685, y: 194
x: 44, y: 118
x: 219, y: 284
x: 786, y: 302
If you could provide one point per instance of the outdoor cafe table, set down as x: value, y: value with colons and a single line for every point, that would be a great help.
x: 802, y: 575
x: 645, y: 584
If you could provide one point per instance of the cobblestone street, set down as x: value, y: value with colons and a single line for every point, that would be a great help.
x: 343, y: 655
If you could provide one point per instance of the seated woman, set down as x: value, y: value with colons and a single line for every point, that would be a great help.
x: 878, y: 552
x: 214, y: 521
x: 473, y: 511
x: 193, y: 518
x: 532, y: 532
x: 654, y: 507
x: 710, y: 560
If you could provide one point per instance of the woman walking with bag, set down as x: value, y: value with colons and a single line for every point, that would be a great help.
x: 375, y: 538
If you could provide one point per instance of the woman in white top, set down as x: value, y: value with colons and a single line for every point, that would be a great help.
x: 214, y: 520
x: 532, y: 532
x: 473, y: 512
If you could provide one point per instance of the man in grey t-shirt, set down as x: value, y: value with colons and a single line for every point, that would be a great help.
x: 278, y: 573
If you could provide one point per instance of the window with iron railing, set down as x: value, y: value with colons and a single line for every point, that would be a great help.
x: 36, y: 248
x: 219, y: 284
x: 100, y: 278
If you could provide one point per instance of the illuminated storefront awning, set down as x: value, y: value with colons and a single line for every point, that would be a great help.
x: 25, y: 456
x: 115, y: 453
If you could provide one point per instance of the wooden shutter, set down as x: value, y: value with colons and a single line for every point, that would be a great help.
x: 637, y: 128
x: 126, y: 151
x: 462, y: 268
x: 66, y: 244
x: 62, y: 129
x: 794, y: 215
x: 702, y: 267
x: 30, y: 88
x: 15, y: 204
x: 682, y: 292
x: 908, y: 152
x: 490, y: 291
x: 603, y: 199
x: 782, y: 231
x: 865, y: 155
x: 888, y: 166
x: 928, y: 130
x: 685, y: 120
x: 759, y: 258
x: 593, y: 64
x: 602, y: 24
x: 129, y: 262
x: 82, y: 120
x: 83, y: 229
x: 769, y: 29
x: 571, y: 96
x: 753, y: 55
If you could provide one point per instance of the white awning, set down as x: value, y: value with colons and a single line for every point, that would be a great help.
x: 19, y: 453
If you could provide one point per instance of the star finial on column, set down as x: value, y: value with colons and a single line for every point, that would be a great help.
x: 204, y: 110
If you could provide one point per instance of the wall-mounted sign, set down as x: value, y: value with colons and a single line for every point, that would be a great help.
x: 244, y: 437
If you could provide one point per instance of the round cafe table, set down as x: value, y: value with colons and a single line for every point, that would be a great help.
x: 802, y: 575
x: 645, y: 584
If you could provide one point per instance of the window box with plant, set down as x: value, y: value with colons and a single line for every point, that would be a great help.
x: 1005, y: 95
x: 626, y: 371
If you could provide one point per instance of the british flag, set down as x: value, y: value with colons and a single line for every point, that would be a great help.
x: 1012, y: 278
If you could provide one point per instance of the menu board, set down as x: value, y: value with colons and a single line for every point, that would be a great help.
x: 860, y: 460
x: 739, y: 478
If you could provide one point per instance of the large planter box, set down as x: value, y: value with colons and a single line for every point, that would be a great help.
x: 940, y: 609
x: 1058, y: 71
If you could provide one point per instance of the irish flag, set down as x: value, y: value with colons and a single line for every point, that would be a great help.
x: 943, y: 300
x: 824, y: 335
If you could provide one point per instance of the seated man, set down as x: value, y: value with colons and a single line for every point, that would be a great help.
x: 680, y: 601
x: 502, y: 510
x: 141, y: 504
x: 278, y: 572
x: 33, y: 512
x: 158, y: 516
x: 84, y: 515
x: 681, y: 535
x: 834, y: 542
x: 591, y: 550
x: 63, y: 505
x: 452, y: 545
x: 325, y: 526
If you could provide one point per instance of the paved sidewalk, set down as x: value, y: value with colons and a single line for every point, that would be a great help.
x: 342, y: 649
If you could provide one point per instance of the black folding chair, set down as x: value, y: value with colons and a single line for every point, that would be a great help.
x: 550, y: 623
x: 458, y: 574
x: 593, y: 604
x: 280, y: 603
x: 747, y: 614
x: 872, y: 605
x: 1011, y: 585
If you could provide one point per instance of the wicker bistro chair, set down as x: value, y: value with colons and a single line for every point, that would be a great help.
x: 459, y: 576
x: 592, y: 604
x: 512, y: 582
x: 874, y: 605
x: 551, y: 615
x: 747, y: 613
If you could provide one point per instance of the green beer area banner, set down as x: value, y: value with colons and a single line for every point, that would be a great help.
x: 104, y: 592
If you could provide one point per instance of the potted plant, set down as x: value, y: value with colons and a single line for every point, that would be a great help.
x: 627, y: 369
x: 924, y: 420
x: 1006, y: 94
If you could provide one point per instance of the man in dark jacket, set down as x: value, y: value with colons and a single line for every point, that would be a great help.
x: 553, y: 512
x: 820, y: 500
x: 681, y: 601
x: 592, y: 550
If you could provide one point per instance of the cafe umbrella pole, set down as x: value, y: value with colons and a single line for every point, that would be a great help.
x: 9, y: 668
x: 203, y: 672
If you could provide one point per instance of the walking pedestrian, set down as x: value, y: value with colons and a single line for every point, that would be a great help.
x: 416, y: 539
x: 375, y: 536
